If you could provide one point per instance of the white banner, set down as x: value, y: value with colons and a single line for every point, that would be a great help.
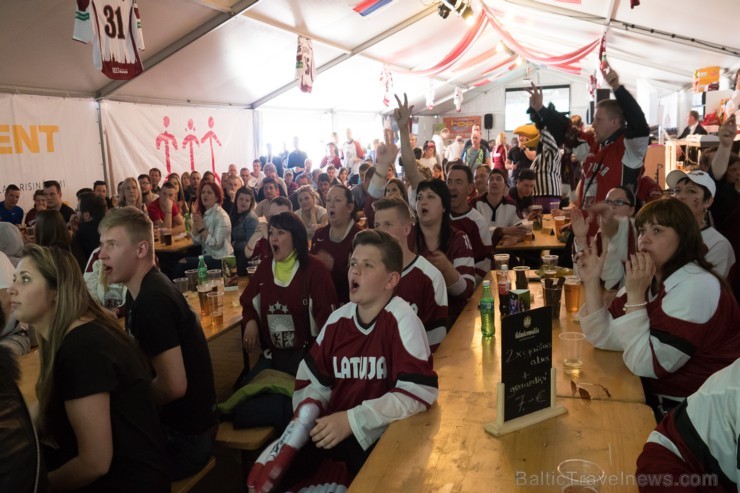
x: 45, y: 138
x: 175, y: 139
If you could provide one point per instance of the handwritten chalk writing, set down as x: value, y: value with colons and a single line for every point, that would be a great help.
x: 522, y: 400
x: 513, y: 389
x: 515, y: 354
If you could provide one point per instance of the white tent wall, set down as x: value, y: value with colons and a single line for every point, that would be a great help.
x: 139, y: 136
x: 49, y: 138
x: 314, y: 129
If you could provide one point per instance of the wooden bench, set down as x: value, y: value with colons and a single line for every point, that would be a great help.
x: 247, y: 439
x: 186, y: 484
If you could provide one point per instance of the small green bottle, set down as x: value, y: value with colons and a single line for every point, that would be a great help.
x: 487, y: 317
x: 202, y: 270
x: 187, y: 222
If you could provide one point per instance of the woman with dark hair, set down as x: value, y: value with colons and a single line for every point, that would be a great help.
x: 288, y: 300
x: 182, y: 204
x: 448, y: 249
x: 429, y: 158
x: 243, y: 224
x: 396, y: 188
x: 51, y: 230
x: 95, y: 406
x: 675, y: 319
x: 333, y: 242
x: 209, y: 177
x: 343, y: 176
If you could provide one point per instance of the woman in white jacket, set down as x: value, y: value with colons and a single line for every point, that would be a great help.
x: 675, y: 319
x: 211, y: 229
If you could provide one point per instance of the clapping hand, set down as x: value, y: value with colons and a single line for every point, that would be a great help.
x: 578, y: 223
x: 590, y: 264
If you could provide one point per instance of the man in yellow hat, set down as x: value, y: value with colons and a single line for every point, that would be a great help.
x: 522, y: 156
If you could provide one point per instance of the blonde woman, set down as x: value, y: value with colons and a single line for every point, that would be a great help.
x: 499, y: 152
x: 313, y: 216
x: 95, y: 410
x: 131, y: 196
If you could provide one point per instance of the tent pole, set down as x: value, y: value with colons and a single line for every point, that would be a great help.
x: 103, y: 147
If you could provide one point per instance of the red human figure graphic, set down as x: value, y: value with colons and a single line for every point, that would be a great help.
x: 189, y: 140
x: 210, y: 136
x: 166, y: 138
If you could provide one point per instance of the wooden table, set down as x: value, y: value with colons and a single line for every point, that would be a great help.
x: 446, y: 448
x: 464, y: 361
x: 541, y: 241
x: 232, y: 311
x: 178, y: 245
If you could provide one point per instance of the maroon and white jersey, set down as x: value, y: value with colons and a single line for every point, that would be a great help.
x: 423, y: 287
x: 340, y: 252
x: 290, y: 314
x: 700, y: 436
x: 114, y: 27
x: 378, y: 373
x: 688, y: 331
x: 719, y: 251
x: 460, y: 253
x: 473, y: 224
x: 501, y: 215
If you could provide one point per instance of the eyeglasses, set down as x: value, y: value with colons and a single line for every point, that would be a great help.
x: 617, y: 203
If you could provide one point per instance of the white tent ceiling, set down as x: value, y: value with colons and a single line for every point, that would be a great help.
x: 229, y: 52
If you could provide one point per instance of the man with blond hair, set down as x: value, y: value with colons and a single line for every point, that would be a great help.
x: 169, y: 334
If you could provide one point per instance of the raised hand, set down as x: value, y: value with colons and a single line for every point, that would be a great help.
x: 402, y: 114
x: 535, y: 97
x: 727, y: 132
x: 578, y: 223
x: 386, y: 154
x: 610, y: 75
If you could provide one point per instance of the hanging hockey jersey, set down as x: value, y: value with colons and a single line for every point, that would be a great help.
x: 114, y: 27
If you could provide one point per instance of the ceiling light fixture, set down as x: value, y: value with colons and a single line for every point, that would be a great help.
x: 461, y: 7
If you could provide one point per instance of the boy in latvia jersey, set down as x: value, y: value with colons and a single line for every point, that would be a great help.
x: 369, y: 366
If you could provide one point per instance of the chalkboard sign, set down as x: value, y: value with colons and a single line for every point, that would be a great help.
x: 526, y: 361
